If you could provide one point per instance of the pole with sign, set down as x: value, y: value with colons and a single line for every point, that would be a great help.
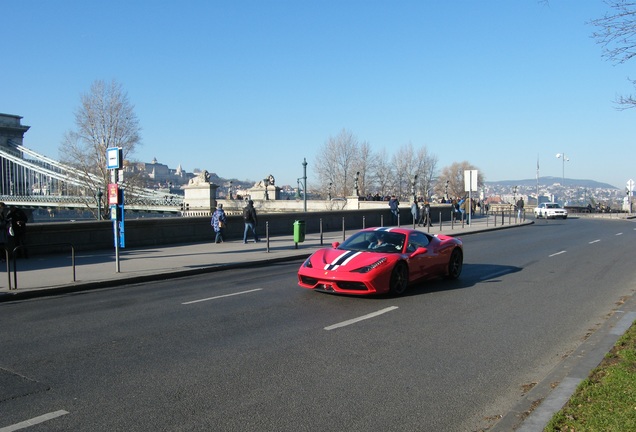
x: 470, y: 184
x: 114, y: 158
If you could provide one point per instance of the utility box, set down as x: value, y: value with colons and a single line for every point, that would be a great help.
x: 299, y: 231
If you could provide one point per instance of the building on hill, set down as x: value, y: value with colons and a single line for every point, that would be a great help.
x: 160, y: 175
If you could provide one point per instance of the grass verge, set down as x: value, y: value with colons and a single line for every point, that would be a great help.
x: 606, y: 400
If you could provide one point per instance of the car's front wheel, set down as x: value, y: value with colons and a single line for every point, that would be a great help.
x: 455, y: 264
x: 399, y: 279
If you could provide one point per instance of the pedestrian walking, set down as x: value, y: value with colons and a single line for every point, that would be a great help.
x: 251, y: 221
x: 520, y: 206
x: 427, y: 214
x: 218, y: 222
x: 394, y: 206
x: 414, y: 212
x: 16, y: 221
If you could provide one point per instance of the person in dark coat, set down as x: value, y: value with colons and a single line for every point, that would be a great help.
x: 251, y: 221
x: 16, y: 221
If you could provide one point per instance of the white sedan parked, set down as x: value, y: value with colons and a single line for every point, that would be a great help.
x: 550, y: 210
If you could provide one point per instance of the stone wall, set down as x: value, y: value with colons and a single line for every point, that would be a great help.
x: 98, y: 235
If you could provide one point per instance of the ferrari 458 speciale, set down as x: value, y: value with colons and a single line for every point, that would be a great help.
x: 382, y: 260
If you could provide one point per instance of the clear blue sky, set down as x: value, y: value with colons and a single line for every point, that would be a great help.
x: 249, y: 88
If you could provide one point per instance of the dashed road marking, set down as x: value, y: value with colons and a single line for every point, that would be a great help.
x: 32, y: 422
x: 364, y: 317
x: 220, y: 296
x: 555, y: 254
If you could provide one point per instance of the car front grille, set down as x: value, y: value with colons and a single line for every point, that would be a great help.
x: 308, y: 280
x: 353, y: 286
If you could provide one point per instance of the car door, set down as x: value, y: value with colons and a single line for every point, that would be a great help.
x: 421, y: 265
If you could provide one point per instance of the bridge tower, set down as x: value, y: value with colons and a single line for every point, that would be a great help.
x: 11, y: 135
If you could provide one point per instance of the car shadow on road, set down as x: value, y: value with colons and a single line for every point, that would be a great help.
x: 472, y: 274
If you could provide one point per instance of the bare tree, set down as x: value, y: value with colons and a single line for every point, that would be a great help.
x: 367, y: 160
x: 405, y: 170
x: 617, y: 35
x: 384, y: 174
x: 427, y: 171
x: 410, y: 162
x: 454, y: 175
x: 105, y: 119
x: 337, y: 163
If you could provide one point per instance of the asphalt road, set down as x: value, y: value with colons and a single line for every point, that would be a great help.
x: 248, y: 350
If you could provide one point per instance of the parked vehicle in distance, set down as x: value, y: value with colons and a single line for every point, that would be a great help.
x: 550, y: 210
x: 382, y: 260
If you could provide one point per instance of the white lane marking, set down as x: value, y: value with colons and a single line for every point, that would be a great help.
x: 595, y: 241
x: 555, y: 254
x: 364, y: 317
x: 36, y: 420
x: 619, y: 234
x: 222, y: 296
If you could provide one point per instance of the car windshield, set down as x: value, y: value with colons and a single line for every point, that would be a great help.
x: 552, y: 206
x: 374, y: 241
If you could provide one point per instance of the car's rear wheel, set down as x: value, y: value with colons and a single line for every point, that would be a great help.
x: 455, y: 264
x: 399, y: 279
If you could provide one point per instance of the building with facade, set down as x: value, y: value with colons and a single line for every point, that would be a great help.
x: 13, y: 179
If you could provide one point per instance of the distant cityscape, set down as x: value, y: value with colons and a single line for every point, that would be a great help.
x: 570, y: 192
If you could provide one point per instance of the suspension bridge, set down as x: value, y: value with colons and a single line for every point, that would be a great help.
x: 31, y: 180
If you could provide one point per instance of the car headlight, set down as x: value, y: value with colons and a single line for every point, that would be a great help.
x: 370, y: 267
x: 307, y: 263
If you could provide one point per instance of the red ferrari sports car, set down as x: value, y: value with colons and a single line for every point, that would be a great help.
x: 381, y: 260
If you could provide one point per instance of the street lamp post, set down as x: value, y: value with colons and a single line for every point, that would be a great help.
x: 446, y: 191
x: 563, y: 160
x: 99, y: 203
x: 305, y: 185
x: 230, y: 189
x: 266, y: 182
x: 355, y: 185
x: 329, y: 195
x: 413, y: 188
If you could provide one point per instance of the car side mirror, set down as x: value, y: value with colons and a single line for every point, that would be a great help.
x: 419, y: 251
x: 335, y: 244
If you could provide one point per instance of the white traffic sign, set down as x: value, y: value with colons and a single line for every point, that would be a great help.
x: 113, y: 158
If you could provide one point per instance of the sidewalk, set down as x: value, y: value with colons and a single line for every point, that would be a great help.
x: 53, y: 274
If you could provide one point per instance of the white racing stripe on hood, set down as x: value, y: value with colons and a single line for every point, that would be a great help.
x: 341, y: 260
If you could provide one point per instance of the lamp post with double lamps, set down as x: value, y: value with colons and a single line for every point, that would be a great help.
x: 100, y: 194
x: 355, y: 185
x: 563, y: 160
x: 413, y: 188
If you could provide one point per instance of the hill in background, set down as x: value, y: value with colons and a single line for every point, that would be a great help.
x: 548, y: 181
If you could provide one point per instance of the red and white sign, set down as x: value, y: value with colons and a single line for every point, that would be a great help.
x: 113, y: 194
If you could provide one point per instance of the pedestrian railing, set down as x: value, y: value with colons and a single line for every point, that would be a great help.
x: 31, y: 246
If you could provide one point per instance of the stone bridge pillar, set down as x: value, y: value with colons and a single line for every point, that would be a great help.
x: 199, y: 198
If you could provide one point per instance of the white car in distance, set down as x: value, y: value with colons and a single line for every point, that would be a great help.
x: 550, y: 210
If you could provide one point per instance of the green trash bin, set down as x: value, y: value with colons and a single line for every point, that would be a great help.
x: 299, y: 231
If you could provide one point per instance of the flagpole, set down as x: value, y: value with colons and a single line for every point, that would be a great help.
x: 537, y: 179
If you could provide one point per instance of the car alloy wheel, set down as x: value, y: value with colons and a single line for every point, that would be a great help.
x: 399, y: 279
x: 455, y: 264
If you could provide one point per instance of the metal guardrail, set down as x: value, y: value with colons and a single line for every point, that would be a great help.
x: 15, y: 269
